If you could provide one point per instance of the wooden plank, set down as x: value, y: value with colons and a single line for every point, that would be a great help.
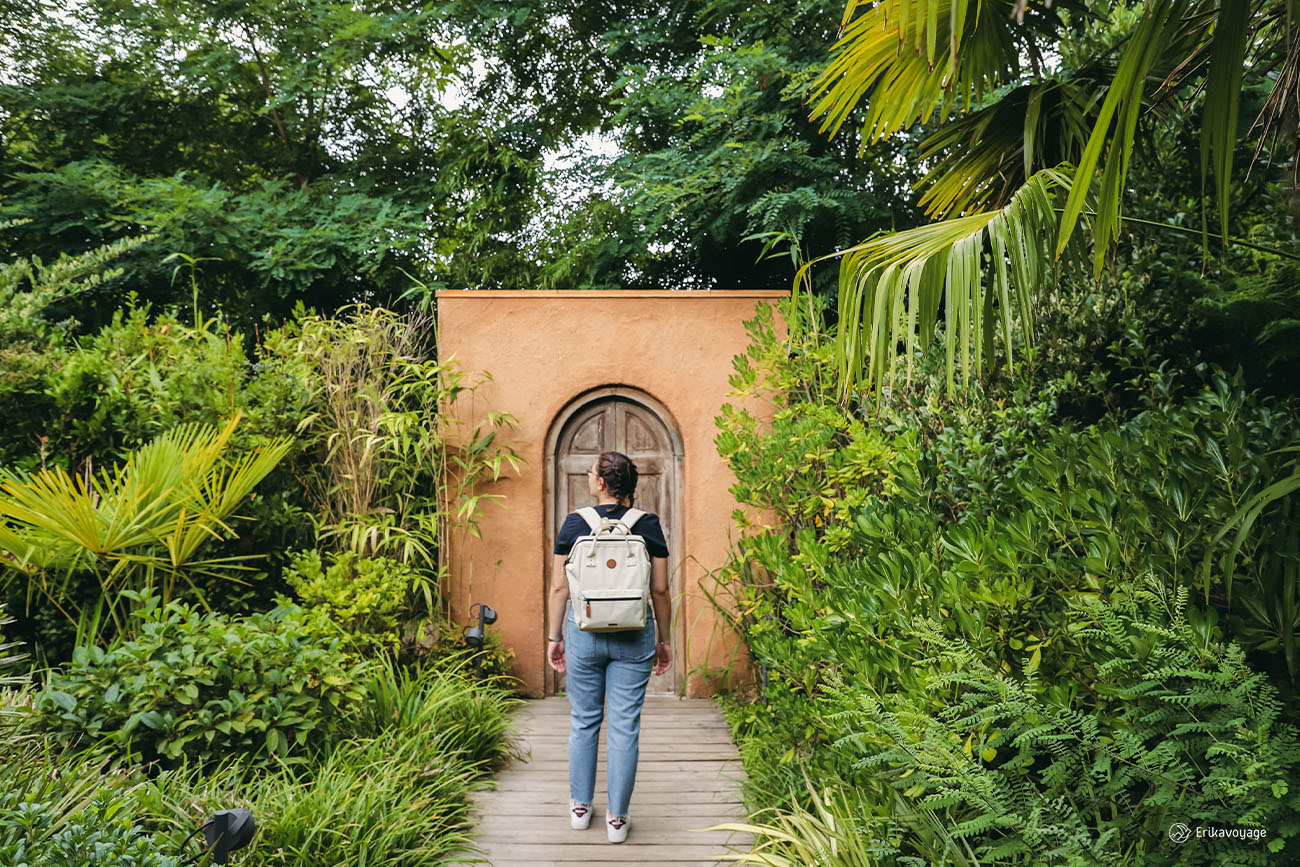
x: 688, y: 779
x: 697, y: 817
x: 560, y: 749
x: 663, y: 718
x: 560, y: 788
x: 561, y: 835
x: 702, y: 800
x: 660, y: 752
x: 539, y: 854
x: 705, y: 767
x: 559, y: 740
x: 591, y: 863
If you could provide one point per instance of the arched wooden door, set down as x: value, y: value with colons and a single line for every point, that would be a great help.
x: 619, y: 420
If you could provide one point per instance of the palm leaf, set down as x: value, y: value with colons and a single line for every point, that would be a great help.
x: 138, y: 522
x: 891, y: 287
x: 977, y: 161
x: 1223, y: 100
x: 888, y: 55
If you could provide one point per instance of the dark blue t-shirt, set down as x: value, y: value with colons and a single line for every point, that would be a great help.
x: 647, y: 527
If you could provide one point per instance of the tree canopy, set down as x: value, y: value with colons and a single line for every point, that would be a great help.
x: 330, y: 152
x: 306, y: 151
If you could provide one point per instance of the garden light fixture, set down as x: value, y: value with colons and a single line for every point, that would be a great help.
x: 225, y: 832
x: 476, y: 635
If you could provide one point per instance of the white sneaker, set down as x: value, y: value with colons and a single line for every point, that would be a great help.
x: 579, y: 815
x: 616, y: 827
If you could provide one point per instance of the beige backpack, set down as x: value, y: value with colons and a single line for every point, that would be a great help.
x: 609, y: 574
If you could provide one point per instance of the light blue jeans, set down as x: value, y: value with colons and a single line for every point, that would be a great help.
x: 606, y: 671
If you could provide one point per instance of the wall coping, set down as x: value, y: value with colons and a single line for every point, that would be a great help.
x: 612, y: 293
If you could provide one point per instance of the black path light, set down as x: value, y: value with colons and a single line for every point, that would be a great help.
x: 225, y: 832
x: 476, y: 635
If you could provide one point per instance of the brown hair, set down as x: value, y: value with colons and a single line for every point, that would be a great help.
x: 619, y: 474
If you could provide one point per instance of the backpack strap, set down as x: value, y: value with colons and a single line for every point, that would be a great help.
x: 592, y: 517
x: 629, y: 519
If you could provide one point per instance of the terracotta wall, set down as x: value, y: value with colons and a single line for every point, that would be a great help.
x: 543, y: 350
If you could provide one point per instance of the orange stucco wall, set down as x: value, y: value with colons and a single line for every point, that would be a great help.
x: 543, y: 349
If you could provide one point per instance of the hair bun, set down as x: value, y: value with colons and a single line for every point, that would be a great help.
x: 619, y: 474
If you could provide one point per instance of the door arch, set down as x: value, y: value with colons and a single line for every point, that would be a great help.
x: 618, y: 418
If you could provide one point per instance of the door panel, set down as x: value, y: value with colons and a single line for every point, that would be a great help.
x: 617, y: 424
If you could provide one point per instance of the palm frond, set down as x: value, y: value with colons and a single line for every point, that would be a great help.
x: 1174, y: 42
x: 137, y: 521
x: 891, y: 287
x: 1282, y: 108
x: 1223, y: 100
x: 979, y: 160
x: 889, y: 54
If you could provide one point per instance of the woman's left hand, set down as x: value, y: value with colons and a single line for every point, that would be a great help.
x: 555, y: 655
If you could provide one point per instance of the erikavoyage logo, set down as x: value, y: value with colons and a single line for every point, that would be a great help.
x: 1180, y: 833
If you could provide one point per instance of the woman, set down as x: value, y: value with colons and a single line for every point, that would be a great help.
x: 607, y: 669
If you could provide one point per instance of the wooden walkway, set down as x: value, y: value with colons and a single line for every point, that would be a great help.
x: 688, y: 778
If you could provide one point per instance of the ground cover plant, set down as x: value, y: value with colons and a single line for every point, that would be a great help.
x: 385, y: 788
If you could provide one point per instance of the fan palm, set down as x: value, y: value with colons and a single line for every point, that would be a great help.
x: 1034, y: 154
x: 138, y: 526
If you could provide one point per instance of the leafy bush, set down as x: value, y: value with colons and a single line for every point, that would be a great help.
x: 816, y: 464
x: 367, y: 597
x: 60, y: 808
x: 830, y: 832
x: 34, y: 344
x: 387, y: 481
x: 32, y: 834
x: 1178, y: 728
x: 991, y: 598
x: 204, y: 687
x: 467, y: 717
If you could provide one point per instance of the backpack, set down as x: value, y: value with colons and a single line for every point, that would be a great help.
x: 609, y: 574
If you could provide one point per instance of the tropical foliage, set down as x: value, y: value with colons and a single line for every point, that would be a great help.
x: 160, y: 473
x: 390, y: 784
x: 138, y: 526
x: 1017, y: 564
x: 1041, y: 114
x: 204, y: 688
x: 993, y: 633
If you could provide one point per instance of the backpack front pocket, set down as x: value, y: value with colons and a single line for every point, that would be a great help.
x: 612, y: 610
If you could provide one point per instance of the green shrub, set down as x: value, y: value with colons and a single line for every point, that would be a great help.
x: 60, y: 808
x: 467, y: 717
x: 100, y: 835
x: 205, y: 687
x: 832, y: 831
x: 996, y: 522
x: 815, y: 465
x: 365, y: 596
x: 374, y: 802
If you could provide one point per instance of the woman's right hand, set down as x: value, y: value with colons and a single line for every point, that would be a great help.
x: 663, y: 658
x: 555, y: 655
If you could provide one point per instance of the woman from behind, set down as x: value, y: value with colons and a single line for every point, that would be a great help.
x: 607, y: 672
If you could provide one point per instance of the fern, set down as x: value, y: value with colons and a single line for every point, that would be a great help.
x: 1183, y: 730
